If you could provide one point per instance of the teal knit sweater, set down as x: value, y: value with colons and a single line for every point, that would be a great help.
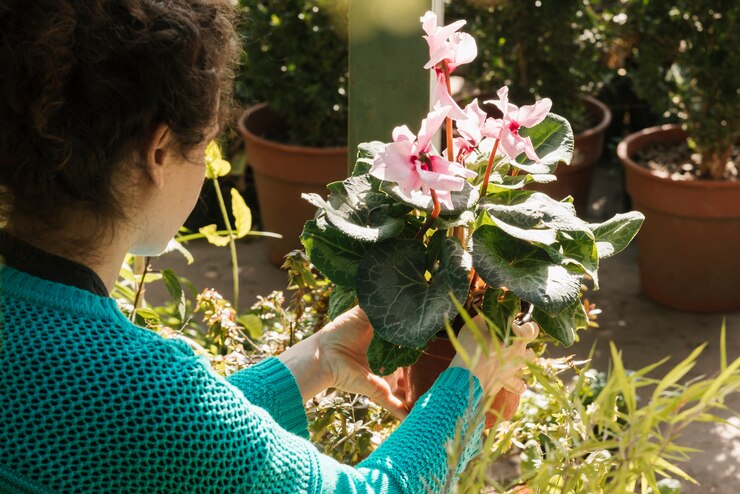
x: 91, y: 403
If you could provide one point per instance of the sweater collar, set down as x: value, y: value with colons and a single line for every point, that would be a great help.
x: 23, y: 257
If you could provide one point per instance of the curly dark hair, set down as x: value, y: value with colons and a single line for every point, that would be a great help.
x: 83, y: 82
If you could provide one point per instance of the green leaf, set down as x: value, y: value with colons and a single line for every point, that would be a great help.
x: 615, y: 234
x: 562, y: 326
x: 252, y: 323
x: 544, y: 236
x: 358, y: 209
x: 526, y: 270
x: 341, y: 300
x: 553, y: 142
x: 385, y: 357
x: 405, y: 306
x: 461, y: 201
x: 209, y: 231
x: 216, y: 166
x: 175, y: 290
x: 148, y: 315
x: 499, y: 183
x: 500, y: 307
x: 444, y: 222
x: 579, y: 249
x: 242, y: 214
x: 332, y: 252
x: 528, y: 209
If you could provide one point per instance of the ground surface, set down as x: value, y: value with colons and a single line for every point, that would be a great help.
x: 644, y: 331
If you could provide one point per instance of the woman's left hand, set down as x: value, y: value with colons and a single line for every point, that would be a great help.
x: 336, y: 357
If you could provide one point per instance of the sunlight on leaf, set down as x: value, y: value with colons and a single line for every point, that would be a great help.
x: 242, y: 214
x: 216, y: 166
x: 214, y: 238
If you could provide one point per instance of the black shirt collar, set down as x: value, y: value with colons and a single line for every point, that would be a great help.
x: 24, y: 257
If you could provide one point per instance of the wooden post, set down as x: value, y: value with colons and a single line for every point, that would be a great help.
x: 388, y: 85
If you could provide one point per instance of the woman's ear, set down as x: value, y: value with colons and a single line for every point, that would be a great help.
x: 156, y: 153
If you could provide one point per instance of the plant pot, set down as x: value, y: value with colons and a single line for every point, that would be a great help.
x: 282, y: 172
x: 688, y: 246
x: 575, y: 180
x: 420, y: 376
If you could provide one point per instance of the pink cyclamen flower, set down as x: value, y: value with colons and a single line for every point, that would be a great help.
x: 411, y: 161
x: 445, y: 44
x: 506, y: 129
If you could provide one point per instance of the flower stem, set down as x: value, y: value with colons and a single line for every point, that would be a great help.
x: 232, y: 244
x: 448, y: 120
x: 433, y: 216
x: 489, y: 167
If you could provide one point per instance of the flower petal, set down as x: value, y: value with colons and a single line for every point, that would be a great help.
x: 439, y: 181
x: 393, y: 163
x: 531, y: 115
x: 403, y: 133
x: 462, y: 50
x: 444, y: 99
x: 445, y: 199
x: 472, y: 127
x: 430, y: 125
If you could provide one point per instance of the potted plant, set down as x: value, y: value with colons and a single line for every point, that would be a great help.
x: 423, y: 240
x: 544, y: 48
x: 294, y: 72
x: 685, y: 177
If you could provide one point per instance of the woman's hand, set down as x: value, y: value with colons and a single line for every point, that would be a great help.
x: 498, y: 368
x: 336, y: 357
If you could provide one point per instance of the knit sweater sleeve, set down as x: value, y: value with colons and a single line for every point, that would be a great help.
x: 271, y: 386
x: 242, y: 447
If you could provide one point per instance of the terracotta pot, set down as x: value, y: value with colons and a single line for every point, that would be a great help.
x: 575, y: 180
x: 282, y: 173
x: 420, y: 376
x: 688, y: 247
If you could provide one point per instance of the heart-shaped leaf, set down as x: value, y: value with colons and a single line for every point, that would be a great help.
x: 358, y: 209
x: 332, y: 252
x: 384, y: 357
x: 461, y: 201
x: 525, y: 269
x: 407, y: 291
x: 577, y: 248
x: 553, y: 142
x: 341, y: 300
x: 615, y: 234
x: 562, y: 326
x: 528, y: 209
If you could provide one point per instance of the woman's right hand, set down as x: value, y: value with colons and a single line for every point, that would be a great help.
x: 498, y: 368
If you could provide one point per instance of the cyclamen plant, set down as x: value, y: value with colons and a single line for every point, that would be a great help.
x: 417, y: 236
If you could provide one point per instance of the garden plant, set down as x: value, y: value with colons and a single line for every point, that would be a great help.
x: 681, y: 60
x: 419, y: 237
x: 279, y: 66
x: 684, y: 176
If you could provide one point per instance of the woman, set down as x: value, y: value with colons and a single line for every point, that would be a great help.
x: 105, y: 110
